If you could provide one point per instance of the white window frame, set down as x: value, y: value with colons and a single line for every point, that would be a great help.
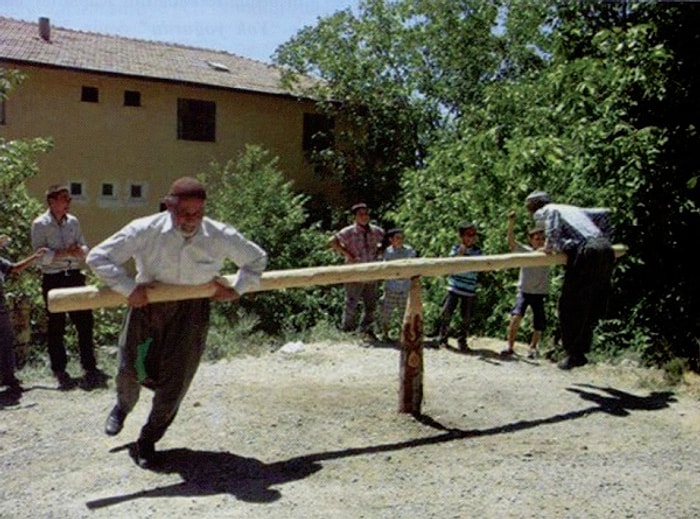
x: 82, y: 197
x: 136, y: 201
x: 108, y: 200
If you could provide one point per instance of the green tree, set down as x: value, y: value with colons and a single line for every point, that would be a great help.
x: 392, y: 76
x: 595, y: 102
x: 251, y: 194
x: 17, y: 164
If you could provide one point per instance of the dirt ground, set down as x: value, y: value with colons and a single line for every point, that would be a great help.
x: 316, y: 434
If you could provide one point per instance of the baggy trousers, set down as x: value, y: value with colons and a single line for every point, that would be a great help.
x: 584, y: 293
x: 178, y: 332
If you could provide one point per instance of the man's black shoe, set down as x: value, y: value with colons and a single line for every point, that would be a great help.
x: 65, y: 382
x: 115, y: 421
x: 573, y: 361
x: 145, y: 454
x: 93, y: 379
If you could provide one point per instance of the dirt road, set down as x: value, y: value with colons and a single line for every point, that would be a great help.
x: 315, y: 434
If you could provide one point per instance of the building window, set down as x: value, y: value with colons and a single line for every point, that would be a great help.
x: 317, y: 133
x: 137, y: 193
x: 90, y: 94
x: 108, y: 191
x: 77, y: 189
x: 196, y: 120
x: 132, y: 98
x: 2, y: 111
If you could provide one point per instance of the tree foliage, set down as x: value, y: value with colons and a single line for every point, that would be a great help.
x: 595, y: 102
x: 17, y: 164
x: 251, y: 194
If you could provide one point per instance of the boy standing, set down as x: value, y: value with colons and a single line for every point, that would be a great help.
x: 461, y: 288
x: 395, y: 290
x: 533, y: 286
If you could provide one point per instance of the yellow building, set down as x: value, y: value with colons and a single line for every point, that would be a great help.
x: 128, y: 116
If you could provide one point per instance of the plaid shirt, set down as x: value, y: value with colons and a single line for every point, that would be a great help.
x: 362, y: 243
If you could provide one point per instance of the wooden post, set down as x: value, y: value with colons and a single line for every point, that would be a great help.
x: 411, y: 360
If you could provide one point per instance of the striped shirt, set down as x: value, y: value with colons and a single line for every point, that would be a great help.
x: 464, y: 283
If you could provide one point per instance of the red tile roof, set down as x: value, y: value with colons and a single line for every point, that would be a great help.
x: 20, y: 41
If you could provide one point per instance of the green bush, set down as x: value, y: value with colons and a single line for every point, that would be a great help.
x: 252, y: 195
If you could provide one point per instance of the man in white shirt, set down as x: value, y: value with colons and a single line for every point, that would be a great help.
x: 161, y: 344
x: 59, y: 232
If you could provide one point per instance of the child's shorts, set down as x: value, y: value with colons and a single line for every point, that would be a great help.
x: 536, y: 301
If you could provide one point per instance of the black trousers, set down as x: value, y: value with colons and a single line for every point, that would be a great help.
x: 83, y: 321
x: 585, y: 292
x: 466, y: 305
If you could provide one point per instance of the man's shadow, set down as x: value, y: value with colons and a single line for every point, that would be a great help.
x: 248, y: 479
x: 620, y: 403
x: 209, y: 473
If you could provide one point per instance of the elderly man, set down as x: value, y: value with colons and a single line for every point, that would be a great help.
x: 162, y: 343
x: 584, y: 236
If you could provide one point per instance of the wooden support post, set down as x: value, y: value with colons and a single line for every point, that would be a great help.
x: 411, y: 360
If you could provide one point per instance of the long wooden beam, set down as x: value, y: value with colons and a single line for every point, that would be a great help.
x: 92, y: 297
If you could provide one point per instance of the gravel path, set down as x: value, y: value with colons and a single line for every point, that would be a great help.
x: 315, y: 434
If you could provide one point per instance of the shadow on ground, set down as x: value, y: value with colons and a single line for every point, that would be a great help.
x: 206, y: 473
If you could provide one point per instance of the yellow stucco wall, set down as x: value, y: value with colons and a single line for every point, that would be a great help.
x: 109, y: 142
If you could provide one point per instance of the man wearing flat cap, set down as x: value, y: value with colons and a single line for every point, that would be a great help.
x: 359, y: 242
x: 162, y: 343
x: 584, y: 235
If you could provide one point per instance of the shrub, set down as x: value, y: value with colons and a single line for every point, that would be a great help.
x: 252, y: 195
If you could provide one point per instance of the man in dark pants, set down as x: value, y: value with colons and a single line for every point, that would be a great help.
x: 59, y: 232
x: 162, y: 343
x: 359, y: 242
x: 584, y: 236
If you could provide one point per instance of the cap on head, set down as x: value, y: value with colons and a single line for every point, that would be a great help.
x: 393, y: 232
x: 535, y: 230
x: 358, y: 206
x: 188, y: 187
x: 465, y: 226
x: 537, y: 199
x: 56, y: 189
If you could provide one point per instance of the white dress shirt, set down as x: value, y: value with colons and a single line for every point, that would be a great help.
x: 161, y: 253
